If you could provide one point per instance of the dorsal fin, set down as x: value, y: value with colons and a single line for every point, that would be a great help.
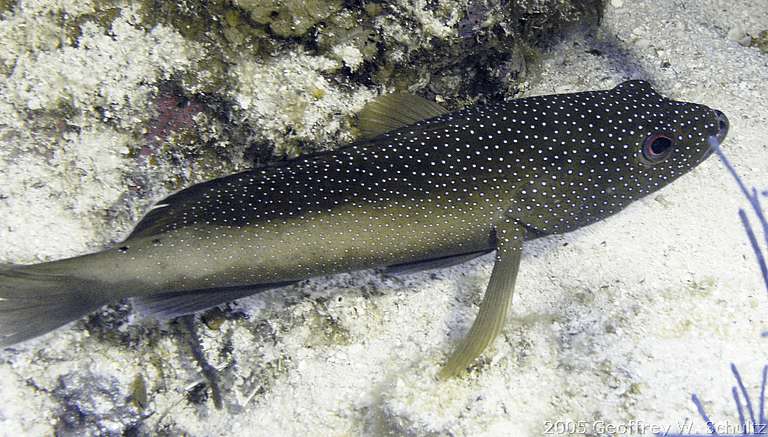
x: 393, y: 111
x: 172, y: 209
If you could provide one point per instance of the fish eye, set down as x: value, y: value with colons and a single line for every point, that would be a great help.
x: 656, y: 148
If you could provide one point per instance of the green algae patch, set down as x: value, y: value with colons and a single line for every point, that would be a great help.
x: 7, y: 5
x: 701, y: 288
x: 761, y: 41
x: 138, y: 390
x: 103, y: 17
x: 325, y: 330
x: 289, y: 18
x: 193, y: 20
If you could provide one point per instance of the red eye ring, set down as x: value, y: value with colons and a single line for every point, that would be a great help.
x: 657, y: 147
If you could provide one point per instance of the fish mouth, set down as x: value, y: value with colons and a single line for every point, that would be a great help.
x: 717, y: 139
x: 722, y: 126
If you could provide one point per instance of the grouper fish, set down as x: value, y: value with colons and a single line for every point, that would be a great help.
x: 425, y: 188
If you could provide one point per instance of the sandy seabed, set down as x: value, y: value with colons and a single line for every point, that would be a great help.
x: 614, y: 326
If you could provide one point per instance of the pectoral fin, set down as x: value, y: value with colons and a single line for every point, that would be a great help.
x: 495, y: 305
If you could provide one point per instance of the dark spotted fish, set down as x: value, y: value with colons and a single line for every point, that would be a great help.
x: 428, y: 189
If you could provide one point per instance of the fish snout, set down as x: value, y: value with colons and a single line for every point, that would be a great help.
x: 717, y: 139
x: 722, y: 126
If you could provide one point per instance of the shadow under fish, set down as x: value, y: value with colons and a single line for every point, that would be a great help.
x: 426, y: 188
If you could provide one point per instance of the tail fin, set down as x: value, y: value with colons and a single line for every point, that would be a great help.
x: 33, y: 302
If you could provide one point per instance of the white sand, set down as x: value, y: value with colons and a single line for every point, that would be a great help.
x: 621, y: 325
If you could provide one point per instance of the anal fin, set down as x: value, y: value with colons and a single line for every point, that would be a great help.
x: 496, y: 302
x: 179, y: 303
